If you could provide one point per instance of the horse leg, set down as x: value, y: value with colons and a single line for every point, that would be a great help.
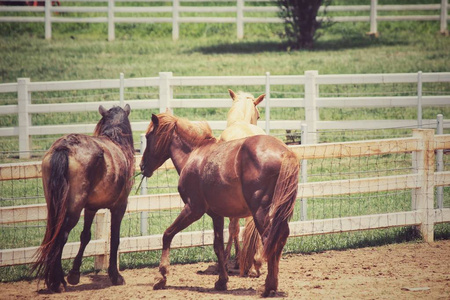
x: 273, y: 261
x: 116, y: 219
x: 233, y: 230
x: 221, y: 283
x: 258, y: 259
x: 74, y: 275
x: 56, y: 274
x: 184, y: 219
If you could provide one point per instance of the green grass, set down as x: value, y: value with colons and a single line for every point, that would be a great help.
x: 81, y: 52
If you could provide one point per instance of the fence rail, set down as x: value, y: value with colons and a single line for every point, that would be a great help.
x: 175, y: 14
x: 422, y: 182
x: 312, y: 101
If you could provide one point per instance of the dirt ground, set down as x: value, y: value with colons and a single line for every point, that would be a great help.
x: 400, y: 271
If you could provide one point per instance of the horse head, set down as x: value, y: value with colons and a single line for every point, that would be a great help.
x: 158, y: 137
x: 115, y: 125
x: 244, y: 108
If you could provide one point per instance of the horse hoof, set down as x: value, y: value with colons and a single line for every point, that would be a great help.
x: 74, y: 277
x: 220, y: 286
x: 270, y: 292
x: 55, y: 288
x: 254, y: 274
x: 118, y: 280
x: 160, y: 283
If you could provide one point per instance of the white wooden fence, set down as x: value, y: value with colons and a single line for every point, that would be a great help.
x: 312, y: 101
x: 421, y: 181
x: 112, y: 14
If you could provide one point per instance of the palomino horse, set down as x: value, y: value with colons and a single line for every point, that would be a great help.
x: 90, y: 172
x: 255, y: 176
x: 241, y: 122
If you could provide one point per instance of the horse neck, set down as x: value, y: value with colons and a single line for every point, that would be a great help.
x: 241, y: 111
x: 182, y: 145
x: 123, y: 140
x: 180, y: 151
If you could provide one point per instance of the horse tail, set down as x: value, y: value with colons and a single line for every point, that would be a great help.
x: 251, y: 244
x: 282, y: 206
x: 57, y: 188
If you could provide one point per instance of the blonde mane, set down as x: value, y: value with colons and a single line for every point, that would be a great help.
x: 193, y: 134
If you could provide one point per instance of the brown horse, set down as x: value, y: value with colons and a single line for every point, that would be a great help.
x: 90, y: 172
x: 255, y: 176
x: 241, y: 122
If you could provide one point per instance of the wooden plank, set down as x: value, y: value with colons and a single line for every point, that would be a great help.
x: 8, y: 87
x: 154, y: 202
x: 356, y: 223
x: 74, y: 85
x: 217, y: 80
x: 442, y: 141
x: 406, y: 101
x: 367, y: 78
x: 25, y: 170
x: 18, y: 256
x: 372, y: 124
x: 356, y: 149
x: 356, y: 186
x: 442, y: 178
x: 38, y: 212
x: 442, y: 215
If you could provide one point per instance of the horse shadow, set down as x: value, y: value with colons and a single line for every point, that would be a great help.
x: 97, y: 282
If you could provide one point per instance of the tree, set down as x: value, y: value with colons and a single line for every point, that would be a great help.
x: 300, y: 21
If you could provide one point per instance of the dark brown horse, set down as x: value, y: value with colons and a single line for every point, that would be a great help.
x: 255, y: 176
x: 90, y: 172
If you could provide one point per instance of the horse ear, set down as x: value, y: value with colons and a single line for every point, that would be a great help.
x: 169, y: 111
x: 127, y: 109
x: 155, y: 120
x: 232, y: 94
x: 259, y: 99
x: 102, y: 110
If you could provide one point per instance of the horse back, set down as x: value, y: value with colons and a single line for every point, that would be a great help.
x: 98, y: 170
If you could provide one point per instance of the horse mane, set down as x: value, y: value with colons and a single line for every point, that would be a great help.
x: 115, y: 128
x: 237, y: 112
x: 194, y: 133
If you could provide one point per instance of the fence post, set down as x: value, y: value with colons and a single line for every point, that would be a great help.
x: 304, y: 174
x: 440, y: 162
x: 103, y: 232
x: 175, y: 18
x: 144, y: 214
x: 311, y: 110
x: 419, y: 99
x: 24, y: 99
x: 444, y: 15
x: 240, y: 18
x: 111, y: 27
x: 122, y: 90
x: 373, y: 18
x: 165, y: 91
x: 48, y: 20
x: 423, y: 197
x: 267, y: 104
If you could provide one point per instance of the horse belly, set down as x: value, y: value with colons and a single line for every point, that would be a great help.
x: 226, y: 202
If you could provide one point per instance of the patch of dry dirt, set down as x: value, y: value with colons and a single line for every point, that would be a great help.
x: 368, y: 273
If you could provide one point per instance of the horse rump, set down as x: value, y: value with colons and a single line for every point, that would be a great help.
x: 282, y: 207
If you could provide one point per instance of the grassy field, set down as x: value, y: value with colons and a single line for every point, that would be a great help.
x: 79, y: 52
